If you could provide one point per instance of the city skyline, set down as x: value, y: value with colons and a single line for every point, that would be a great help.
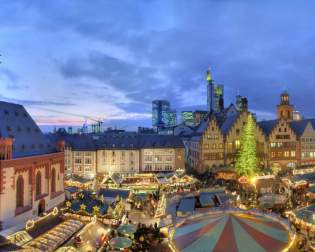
x: 112, y: 69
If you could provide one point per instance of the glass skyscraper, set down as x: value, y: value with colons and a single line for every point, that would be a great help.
x: 215, y: 94
x: 159, y: 109
x: 188, y: 117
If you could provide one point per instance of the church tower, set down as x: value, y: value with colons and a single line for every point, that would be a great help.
x: 285, y: 109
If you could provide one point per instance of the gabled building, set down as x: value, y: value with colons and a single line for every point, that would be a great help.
x: 283, y: 145
x: 291, y: 143
x: 217, y: 141
x: 31, y: 168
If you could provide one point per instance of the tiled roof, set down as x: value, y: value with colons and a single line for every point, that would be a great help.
x: 267, y: 126
x: 119, y: 141
x: 28, y: 140
x: 228, y: 123
x: 297, y: 126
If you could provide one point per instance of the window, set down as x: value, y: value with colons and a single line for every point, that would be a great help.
x: 148, y: 167
x: 20, y: 192
x: 38, y: 189
x: 292, y: 153
x: 286, y: 154
x: 78, y: 160
x: 88, y: 161
x: 237, y: 144
x: 169, y: 158
x: 53, y: 180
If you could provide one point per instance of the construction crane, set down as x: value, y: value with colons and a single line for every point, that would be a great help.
x: 96, y: 127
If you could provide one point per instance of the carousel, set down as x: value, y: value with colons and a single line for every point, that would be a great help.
x: 231, y: 231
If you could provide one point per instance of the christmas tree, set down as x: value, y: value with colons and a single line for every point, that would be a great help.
x: 246, y: 163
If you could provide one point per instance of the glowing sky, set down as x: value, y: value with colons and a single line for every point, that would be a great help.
x: 110, y: 59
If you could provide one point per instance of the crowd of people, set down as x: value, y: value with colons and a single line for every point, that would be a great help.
x: 146, y: 236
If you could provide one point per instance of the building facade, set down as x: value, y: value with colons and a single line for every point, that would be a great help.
x: 159, y: 107
x: 282, y: 144
x: 87, y: 155
x: 187, y: 118
x: 31, y: 168
x: 217, y: 141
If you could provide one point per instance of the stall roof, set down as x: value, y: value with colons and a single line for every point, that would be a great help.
x: 306, y: 214
x: 206, y: 199
x: 187, y: 205
x: 113, y: 193
x: 71, y: 189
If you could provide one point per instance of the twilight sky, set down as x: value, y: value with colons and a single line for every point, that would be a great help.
x: 68, y: 59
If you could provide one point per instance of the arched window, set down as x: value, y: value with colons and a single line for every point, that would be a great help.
x: 38, y: 184
x: 53, y: 180
x: 20, y: 192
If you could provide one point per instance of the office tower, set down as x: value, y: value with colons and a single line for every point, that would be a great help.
x: 169, y: 118
x: 159, y: 107
x: 188, y: 118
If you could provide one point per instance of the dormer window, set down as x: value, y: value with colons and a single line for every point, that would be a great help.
x: 28, y: 129
x: 16, y: 113
x: 9, y: 128
x: 6, y: 112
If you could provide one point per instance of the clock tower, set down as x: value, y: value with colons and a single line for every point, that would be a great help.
x: 285, y: 109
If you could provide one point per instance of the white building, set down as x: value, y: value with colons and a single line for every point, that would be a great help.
x: 88, y: 155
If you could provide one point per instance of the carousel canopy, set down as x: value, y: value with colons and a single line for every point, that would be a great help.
x: 230, y: 232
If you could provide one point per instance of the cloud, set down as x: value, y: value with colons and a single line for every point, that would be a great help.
x: 35, y: 102
x: 118, y: 56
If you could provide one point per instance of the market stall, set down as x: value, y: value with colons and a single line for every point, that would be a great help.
x: 56, y: 236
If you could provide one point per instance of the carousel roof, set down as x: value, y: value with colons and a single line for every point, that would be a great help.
x: 230, y: 232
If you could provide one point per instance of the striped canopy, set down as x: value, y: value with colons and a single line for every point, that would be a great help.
x: 230, y: 232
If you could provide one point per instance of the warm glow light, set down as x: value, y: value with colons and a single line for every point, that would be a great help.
x: 253, y: 180
x: 55, y: 211
x: 29, y: 224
